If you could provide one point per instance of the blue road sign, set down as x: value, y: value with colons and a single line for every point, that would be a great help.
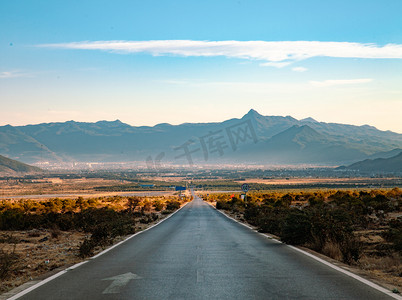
x: 245, y: 187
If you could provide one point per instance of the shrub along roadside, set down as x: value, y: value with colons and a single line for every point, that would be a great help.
x: 102, y: 220
x: 314, y: 227
x: 323, y: 221
x: 8, y: 260
x: 394, y: 235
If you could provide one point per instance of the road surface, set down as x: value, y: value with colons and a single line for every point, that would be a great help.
x: 200, y: 254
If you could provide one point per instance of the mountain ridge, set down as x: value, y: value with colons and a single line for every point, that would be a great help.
x: 118, y: 141
x: 392, y: 164
x: 11, y: 167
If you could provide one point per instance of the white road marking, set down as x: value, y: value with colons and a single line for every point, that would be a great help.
x: 20, y: 294
x: 119, y: 282
x: 357, y: 277
x: 76, y: 265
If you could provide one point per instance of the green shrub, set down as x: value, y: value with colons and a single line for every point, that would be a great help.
x: 351, y: 249
x: 394, y: 234
x: 12, y: 219
x: 159, y: 205
x: 102, y: 235
x: 335, y: 225
x: 222, y: 204
x: 172, y: 205
x: 8, y: 262
x: 271, y: 219
x: 296, y: 228
x: 252, y: 213
x: 86, y: 248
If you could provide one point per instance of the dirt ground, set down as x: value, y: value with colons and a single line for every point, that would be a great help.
x: 65, y: 188
x: 13, y: 187
x: 38, y: 252
x: 379, y: 264
x: 165, y: 178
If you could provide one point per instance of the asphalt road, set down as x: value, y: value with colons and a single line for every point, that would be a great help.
x: 200, y: 254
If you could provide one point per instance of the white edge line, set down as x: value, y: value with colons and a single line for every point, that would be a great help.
x: 20, y: 294
x: 77, y: 265
x: 357, y: 277
x: 131, y: 236
x: 35, y: 286
x: 350, y: 274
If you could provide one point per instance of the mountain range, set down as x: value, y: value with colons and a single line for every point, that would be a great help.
x: 391, y: 164
x: 254, y: 138
x: 12, y: 167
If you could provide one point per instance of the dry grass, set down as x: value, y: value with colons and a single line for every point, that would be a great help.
x: 53, y: 185
x: 38, y: 252
x: 388, y: 268
x: 332, y: 249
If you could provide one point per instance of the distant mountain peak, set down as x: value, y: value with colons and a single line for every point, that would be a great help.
x: 252, y: 113
x: 309, y: 119
x: 163, y: 125
x: 111, y: 122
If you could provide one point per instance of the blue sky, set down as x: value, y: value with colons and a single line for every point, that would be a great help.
x: 58, y: 61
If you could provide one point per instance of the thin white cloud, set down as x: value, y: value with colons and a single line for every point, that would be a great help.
x: 12, y: 74
x: 176, y: 82
x: 276, y: 54
x: 264, y: 87
x: 335, y: 82
x: 299, y: 69
x: 276, y: 64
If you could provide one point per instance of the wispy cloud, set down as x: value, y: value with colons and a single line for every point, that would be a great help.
x: 264, y: 87
x: 176, y: 82
x: 278, y: 54
x: 276, y: 64
x: 327, y: 83
x: 13, y: 74
x: 299, y: 69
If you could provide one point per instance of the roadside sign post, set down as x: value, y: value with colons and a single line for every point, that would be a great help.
x: 245, y: 188
x: 180, y: 189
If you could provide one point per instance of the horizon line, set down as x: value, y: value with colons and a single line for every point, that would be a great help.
x: 213, y: 122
